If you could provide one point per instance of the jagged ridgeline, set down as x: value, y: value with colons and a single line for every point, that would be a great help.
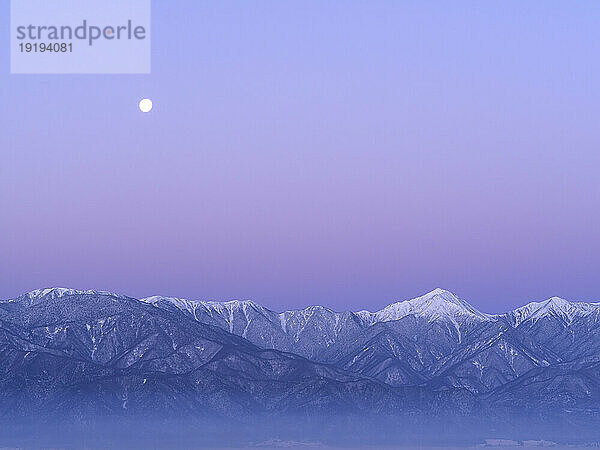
x: 434, y: 361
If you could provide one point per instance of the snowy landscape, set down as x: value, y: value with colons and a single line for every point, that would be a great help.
x: 431, y: 368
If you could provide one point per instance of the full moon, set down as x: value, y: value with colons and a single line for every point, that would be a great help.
x: 145, y: 105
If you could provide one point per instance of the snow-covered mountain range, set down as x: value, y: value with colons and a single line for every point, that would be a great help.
x: 77, y: 351
x: 439, y: 306
x: 437, y: 337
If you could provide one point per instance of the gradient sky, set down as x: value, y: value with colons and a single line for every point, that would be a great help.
x: 299, y: 152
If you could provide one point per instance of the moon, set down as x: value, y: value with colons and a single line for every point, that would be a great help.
x: 145, y: 105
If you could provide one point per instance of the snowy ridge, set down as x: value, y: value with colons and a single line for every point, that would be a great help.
x: 437, y: 305
x: 182, y: 304
x: 193, y: 305
x: 553, y: 307
x: 314, y: 330
x: 228, y: 311
x: 39, y: 295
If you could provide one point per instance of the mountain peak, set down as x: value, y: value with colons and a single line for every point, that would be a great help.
x: 435, y: 305
x: 556, y: 307
x: 558, y: 301
x: 441, y: 295
x: 440, y: 291
x: 38, y: 296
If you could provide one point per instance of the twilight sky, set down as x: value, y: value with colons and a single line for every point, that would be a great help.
x: 348, y: 154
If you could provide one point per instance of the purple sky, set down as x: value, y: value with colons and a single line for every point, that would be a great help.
x: 342, y: 153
